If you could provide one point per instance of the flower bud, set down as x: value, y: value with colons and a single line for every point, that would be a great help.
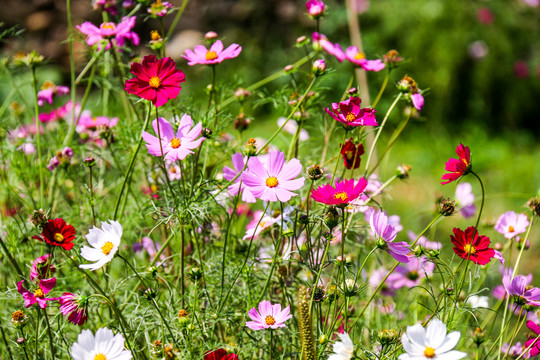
x: 39, y: 218
x: 403, y: 171
x: 207, y: 133
x: 315, y: 9
x: 392, y: 59
x: 301, y: 41
x: 319, y: 67
x: 534, y: 205
x: 318, y: 294
x: 478, y: 336
x: 241, y: 94
x: 195, y: 274
x: 331, y: 218
x: 242, y: 122
x: 90, y: 162
x: 323, y: 339
x: 250, y: 149
x: 388, y: 337
x: 351, y: 288
x: 183, y: 318
x: 152, y: 270
x: 288, y: 68
x: 315, y: 172
x: 211, y: 37
x: 31, y: 59
x: 21, y: 341
x: 19, y: 319
x: 352, y: 91
x: 447, y: 207
x: 150, y: 294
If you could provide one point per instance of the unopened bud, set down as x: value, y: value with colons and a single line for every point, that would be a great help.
x: 447, y: 207
x: 250, y: 149
x: 388, y: 337
x: 319, y: 67
x: 241, y: 94
x: 195, y: 274
x: 301, y: 41
x: 392, y: 59
x: 39, y: 218
x: 90, y: 162
x: 478, y: 336
x: 534, y: 205
x: 242, y: 122
x: 323, y: 339
x: 207, y: 133
x: 352, y: 91
x: 315, y: 172
x: 288, y: 68
x: 210, y: 37
x: 331, y: 218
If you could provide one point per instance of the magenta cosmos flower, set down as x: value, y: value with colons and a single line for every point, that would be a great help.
x: 351, y: 115
x: 386, y: 234
x: 175, y: 146
x: 534, y: 343
x: 341, y: 195
x: 212, y: 56
x: 315, y: 8
x: 38, y: 295
x: 74, y: 307
x: 49, y: 91
x: 518, y: 288
x: 333, y: 49
x: 511, y: 224
x: 458, y: 167
x: 229, y: 174
x: 358, y: 58
x: 268, y: 316
x: 275, y: 181
x: 155, y: 80
x: 42, y: 267
x: 110, y: 32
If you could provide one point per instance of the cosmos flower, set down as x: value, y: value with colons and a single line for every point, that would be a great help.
x: 458, y: 167
x: 155, y: 80
x: 351, y: 154
x: 476, y: 301
x: 229, y: 174
x: 465, y: 199
x: 268, y: 316
x: 470, y: 245
x: 333, y: 49
x: 344, y: 349
x: 511, y: 224
x: 410, y: 274
x: 386, y: 234
x: 110, y: 33
x: 159, y: 8
x: 342, y: 194
x: 276, y: 181
x: 175, y: 146
x: 214, y: 55
x: 518, y: 288
x: 49, y: 91
x: 315, y: 8
x: 38, y: 295
x: 57, y: 233
x: 220, y: 354
x: 74, y: 307
x: 266, y: 221
x: 41, y: 267
x: 351, y: 115
x: 104, y: 346
x: 534, y: 343
x: 430, y: 343
x: 358, y: 58
x: 104, y: 242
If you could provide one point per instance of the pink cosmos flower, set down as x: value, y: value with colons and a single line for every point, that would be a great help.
x: 333, y: 49
x: 61, y: 113
x: 458, y: 167
x: 159, y: 8
x: 74, y: 307
x: 38, y: 295
x: 465, y: 199
x: 351, y: 115
x: 268, y: 316
x: 411, y: 274
x: 266, y: 221
x: 174, y: 172
x: 515, y: 351
x: 48, y: 91
x: 110, y: 33
x: 388, y: 288
x: 175, y: 146
x: 341, y: 195
x: 89, y: 122
x: 511, y: 224
x: 229, y: 174
x: 315, y: 8
x: 533, y: 343
x: 155, y: 80
x: 276, y: 181
x: 40, y: 267
x: 62, y: 158
x: 358, y: 58
x: 214, y: 55
x: 520, y: 291
x: 386, y: 235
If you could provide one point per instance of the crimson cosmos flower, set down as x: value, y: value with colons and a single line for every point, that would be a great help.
x: 341, y: 195
x: 220, y: 354
x: 351, y: 154
x: 458, y: 167
x: 74, y: 307
x: 57, y: 233
x: 351, y: 115
x: 155, y: 80
x: 470, y: 245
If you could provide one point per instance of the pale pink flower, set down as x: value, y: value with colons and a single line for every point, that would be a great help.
x: 358, y: 58
x: 110, y: 32
x: 212, y: 56
x: 386, y: 234
x: 229, y: 174
x: 268, y: 316
x: 511, y: 224
x: 465, y: 199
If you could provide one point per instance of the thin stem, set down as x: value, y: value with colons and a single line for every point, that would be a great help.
x: 92, y: 197
x: 51, y: 342
x: 38, y: 136
x: 176, y: 19
x: 338, y: 156
x: 482, y: 203
x: 381, y: 91
x: 380, y: 130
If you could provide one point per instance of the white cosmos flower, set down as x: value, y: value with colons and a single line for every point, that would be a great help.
x: 478, y: 301
x: 430, y: 343
x: 104, y: 346
x: 344, y: 349
x: 104, y: 242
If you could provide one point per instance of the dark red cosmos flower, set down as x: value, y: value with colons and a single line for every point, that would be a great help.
x: 220, y: 354
x: 155, y: 80
x: 458, y: 167
x: 57, y: 233
x: 468, y: 244
x: 351, y: 154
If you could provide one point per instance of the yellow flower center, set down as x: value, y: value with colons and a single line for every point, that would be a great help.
x: 469, y: 249
x: 271, y: 182
x: 350, y: 117
x: 154, y: 34
x: 341, y: 196
x: 211, y: 55
x: 108, y: 26
x: 47, y: 85
x: 107, y: 247
x: 100, y: 357
x: 511, y: 229
x: 154, y: 82
x: 269, y: 320
x: 153, y: 188
x: 359, y: 56
x: 58, y: 237
x: 429, y: 352
x: 175, y: 143
x: 39, y: 293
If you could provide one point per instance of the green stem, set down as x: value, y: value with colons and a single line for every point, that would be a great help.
x: 338, y: 157
x: 381, y: 91
x: 38, y: 136
x: 51, y: 342
x: 482, y: 203
x: 176, y: 19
